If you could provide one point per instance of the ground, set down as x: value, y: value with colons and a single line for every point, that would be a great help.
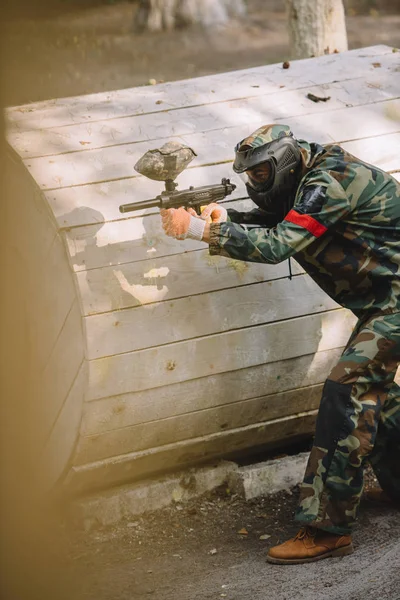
x: 91, y: 47
x: 215, y: 548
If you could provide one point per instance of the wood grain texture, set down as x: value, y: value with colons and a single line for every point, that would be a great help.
x: 139, y: 132
x: 194, y: 395
x: 99, y: 202
x: 129, y: 240
x: 201, y: 423
x: 202, y: 90
x: 60, y: 446
x: 206, y: 314
x: 61, y: 369
x: 146, y: 463
x: 168, y: 278
x: 157, y: 367
x: 95, y: 204
x: 173, y: 357
x: 116, y: 162
x: 47, y: 347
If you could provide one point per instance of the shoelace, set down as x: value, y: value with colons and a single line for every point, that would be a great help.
x: 305, y: 532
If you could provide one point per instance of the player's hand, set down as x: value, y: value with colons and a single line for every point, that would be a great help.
x: 180, y: 223
x: 215, y: 212
x: 175, y: 222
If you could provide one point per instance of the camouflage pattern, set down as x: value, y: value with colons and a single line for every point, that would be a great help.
x: 265, y: 135
x: 269, y: 133
x: 165, y: 162
x: 344, y: 229
x: 358, y: 420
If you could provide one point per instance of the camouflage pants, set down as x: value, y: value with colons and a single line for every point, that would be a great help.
x: 358, y: 420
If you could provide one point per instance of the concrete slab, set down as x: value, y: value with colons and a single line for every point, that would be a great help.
x: 269, y: 477
x: 108, y: 508
x: 124, y: 502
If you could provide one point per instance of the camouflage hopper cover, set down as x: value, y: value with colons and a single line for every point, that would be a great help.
x: 166, y: 162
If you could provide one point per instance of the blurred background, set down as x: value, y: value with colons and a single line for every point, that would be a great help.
x: 57, y: 48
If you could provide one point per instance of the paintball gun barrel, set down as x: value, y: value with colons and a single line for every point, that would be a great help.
x: 191, y: 198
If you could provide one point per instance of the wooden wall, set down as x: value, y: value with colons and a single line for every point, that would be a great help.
x: 46, y: 344
x: 190, y: 357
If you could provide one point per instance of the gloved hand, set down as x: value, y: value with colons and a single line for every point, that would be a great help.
x: 180, y: 223
x: 218, y: 213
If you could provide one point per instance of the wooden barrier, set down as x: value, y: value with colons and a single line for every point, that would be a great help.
x: 149, y: 353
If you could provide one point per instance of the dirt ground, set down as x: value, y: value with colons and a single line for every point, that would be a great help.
x: 215, y: 548
x: 93, y: 48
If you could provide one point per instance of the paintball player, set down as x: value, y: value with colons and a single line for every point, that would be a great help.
x: 340, y: 218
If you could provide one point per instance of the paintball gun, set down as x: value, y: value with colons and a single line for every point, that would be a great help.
x: 165, y: 164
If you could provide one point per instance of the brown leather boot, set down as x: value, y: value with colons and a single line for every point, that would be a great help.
x: 310, y: 544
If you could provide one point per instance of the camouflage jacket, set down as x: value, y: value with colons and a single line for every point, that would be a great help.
x: 343, y: 229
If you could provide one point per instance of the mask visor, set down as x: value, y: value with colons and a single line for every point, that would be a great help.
x: 260, y: 177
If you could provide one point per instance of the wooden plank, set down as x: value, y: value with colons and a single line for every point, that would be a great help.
x: 137, y: 465
x: 168, y: 278
x: 382, y: 151
x: 85, y: 137
x: 99, y: 202
x: 186, y: 318
x: 83, y: 205
x: 136, y: 238
x: 194, y: 395
x: 60, y: 371
x: 28, y: 215
x: 192, y: 425
x: 60, y: 446
x: 157, y: 367
x: 40, y: 258
x: 49, y: 303
x: 129, y: 240
x: 115, y: 162
x: 201, y: 90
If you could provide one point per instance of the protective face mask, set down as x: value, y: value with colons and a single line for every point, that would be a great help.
x: 258, y: 186
x: 272, y: 201
x: 261, y: 198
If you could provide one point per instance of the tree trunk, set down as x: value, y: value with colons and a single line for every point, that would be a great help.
x: 158, y: 15
x: 316, y: 27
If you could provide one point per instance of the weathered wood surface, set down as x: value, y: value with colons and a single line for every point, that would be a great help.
x: 154, y: 325
x: 139, y: 283
x: 237, y: 349
x: 90, y: 139
x: 188, y: 357
x: 112, y: 163
x: 138, y: 465
x: 127, y: 410
x: 209, y: 421
x: 354, y: 65
x: 58, y: 451
x: 47, y: 346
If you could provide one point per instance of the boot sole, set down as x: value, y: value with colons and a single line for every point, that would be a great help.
x: 344, y: 551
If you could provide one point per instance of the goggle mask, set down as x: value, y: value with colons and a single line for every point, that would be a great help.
x: 261, y: 177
